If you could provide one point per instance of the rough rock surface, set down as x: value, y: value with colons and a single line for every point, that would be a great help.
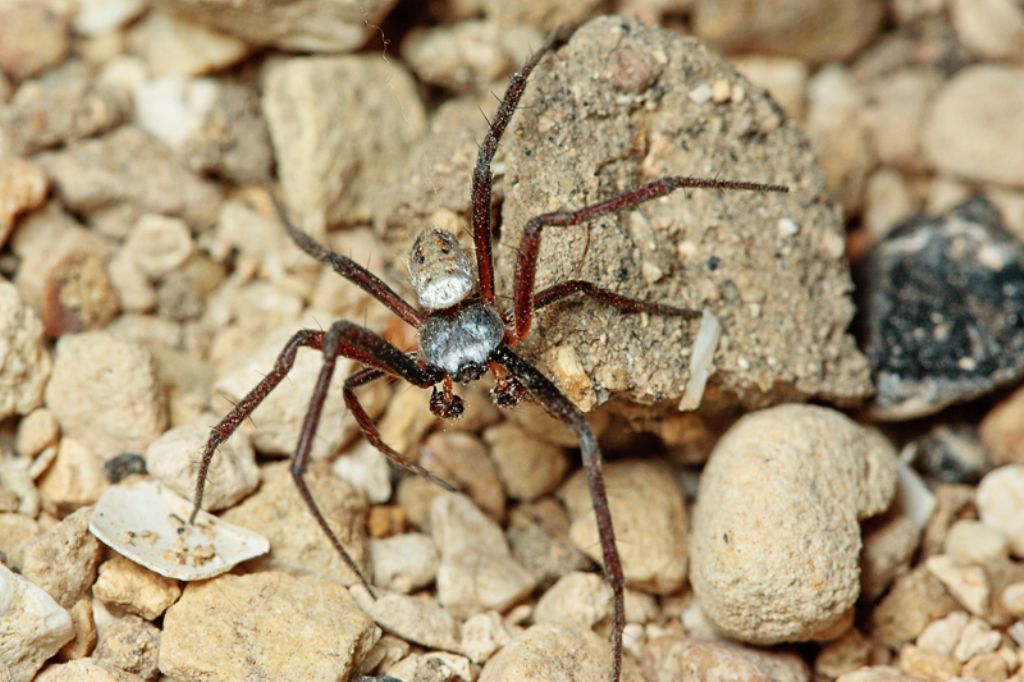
x: 942, y: 303
x: 265, y: 626
x: 174, y: 457
x: 336, y: 132
x: 32, y: 626
x: 126, y: 584
x: 783, y: 495
x: 673, y: 658
x: 616, y: 108
x: 477, y: 571
x: 550, y: 653
x: 24, y: 361
x: 296, y: 541
x: 297, y: 25
x: 97, y: 368
x: 63, y: 560
x: 102, y: 172
x: 649, y: 517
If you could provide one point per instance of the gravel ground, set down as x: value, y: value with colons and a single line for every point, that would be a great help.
x: 819, y: 478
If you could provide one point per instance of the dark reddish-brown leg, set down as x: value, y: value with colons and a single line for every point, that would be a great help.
x: 529, y: 246
x: 481, y: 197
x: 220, y: 433
x: 369, y: 429
x: 348, y: 268
x: 558, y: 406
x: 349, y: 340
x: 557, y: 292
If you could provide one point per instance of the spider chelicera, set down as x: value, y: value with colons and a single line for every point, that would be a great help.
x: 462, y: 336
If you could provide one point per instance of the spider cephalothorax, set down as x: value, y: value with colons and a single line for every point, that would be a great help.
x: 462, y: 336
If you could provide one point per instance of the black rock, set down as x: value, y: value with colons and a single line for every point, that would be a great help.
x: 942, y: 310
x: 124, y: 465
x: 952, y: 454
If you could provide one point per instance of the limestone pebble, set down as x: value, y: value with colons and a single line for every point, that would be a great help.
x: 32, y: 626
x: 277, y: 625
x: 550, y: 653
x: 97, y: 368
x: 24, y: 360
x: 776, y: 532
x: 173, y: 458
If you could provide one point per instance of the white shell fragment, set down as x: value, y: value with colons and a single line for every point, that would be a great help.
x: 701, y: 361
x: 148, y: 523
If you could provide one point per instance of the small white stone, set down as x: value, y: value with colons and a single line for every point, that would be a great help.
x: 578, y: 599
x: 485, y: 633
x: 365, y: 468
x: 968, y: 584
x: 972, y: 541
x: 174, y: 459
x: 404, y: 563
x: 36, y: 432
x: 172, y: 45
x: 477, y: 571
x: 978, y: 637
x: 527, y: 466
x: 159, y: 244
x: 913, y: 497
x: 1012, y: 599
x: 433, y: 666
x: 700, y: 94
x: 999, y: 498
x: 172, y: 108
x: 17, y: 491
x: 96, y: 17
x: 147, y: 522
x: 941, y: 636
x: 419, y: 620
x: 32, y: 626
x: 788, y: 227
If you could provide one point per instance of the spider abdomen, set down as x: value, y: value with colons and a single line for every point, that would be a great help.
x: 461, y: 342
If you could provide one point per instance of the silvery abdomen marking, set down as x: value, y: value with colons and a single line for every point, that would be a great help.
x: 461, y: 343
x: 440, y: 270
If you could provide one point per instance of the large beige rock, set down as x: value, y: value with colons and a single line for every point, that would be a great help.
x: 94, y: 370
x: 266, y: 625
x: 776, y: 533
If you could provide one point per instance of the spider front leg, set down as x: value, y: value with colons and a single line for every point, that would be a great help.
x: 547, y: 395
x: 529, y: 247
x: 225, y: 427
x: 349, y: 340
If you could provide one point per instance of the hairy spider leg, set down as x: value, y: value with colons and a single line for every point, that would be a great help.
x: 556, y: 292
x: 349, y: 340
x: 547, y: 395
x: 225, y: 427
x: 482, y: 176
x: 348, y: 268
x: 529, y: 246
x: 369, y: 429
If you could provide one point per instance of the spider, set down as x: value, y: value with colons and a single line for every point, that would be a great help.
x: 462, y: 335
